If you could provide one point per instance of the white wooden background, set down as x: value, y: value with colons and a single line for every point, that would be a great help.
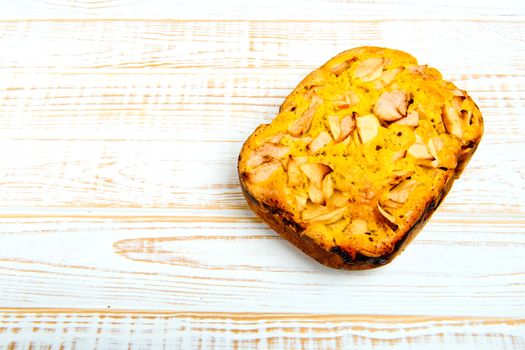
x: 122, y: 224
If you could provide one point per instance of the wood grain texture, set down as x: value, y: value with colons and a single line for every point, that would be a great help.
x: 163, y: 44
x: 264, y: 10
x: 121, y: 220
x: 214, y: 260
x: 96, y: 329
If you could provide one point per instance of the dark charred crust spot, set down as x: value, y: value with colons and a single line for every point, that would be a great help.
x: 393, y: 226
x: 281, y: 216
x: 291, y: 223
x: 469, y: 144
x: 410, y: 100
x: 274, y: 211
x: 360, y: 261
x: 288, y: 109
x: 343, y: 254
x: 372, y: 262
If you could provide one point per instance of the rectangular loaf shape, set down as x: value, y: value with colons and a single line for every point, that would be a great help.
x: 360, y: 155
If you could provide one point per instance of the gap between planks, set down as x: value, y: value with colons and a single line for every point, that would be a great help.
x: 240, y: 71
x: 215, y: 214
x: 49, y: 328
x: 260, y: 315
x: 497, y: 19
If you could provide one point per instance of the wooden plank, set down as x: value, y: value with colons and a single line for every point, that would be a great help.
x: 245, y: 44
x: 102, y: 329
x: 264, y: 10
x: 212, y: 261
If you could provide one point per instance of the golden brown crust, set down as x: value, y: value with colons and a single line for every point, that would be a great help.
x: 271, y: 165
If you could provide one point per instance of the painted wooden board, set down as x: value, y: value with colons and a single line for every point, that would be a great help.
x: 95, y: 329
x: 122, y: 224
x: 190, y: 260
x: 312, y: 10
